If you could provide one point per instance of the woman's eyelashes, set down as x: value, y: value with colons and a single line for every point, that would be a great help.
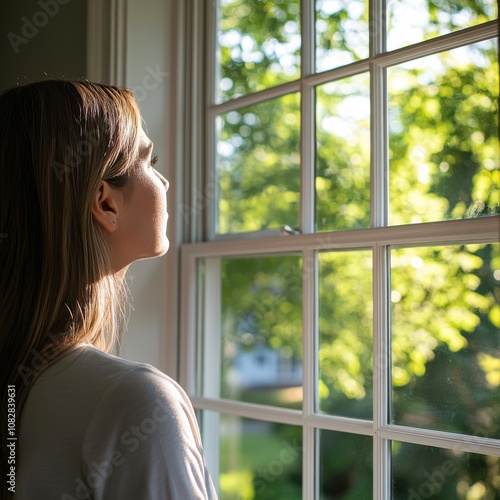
x: 153, y: 161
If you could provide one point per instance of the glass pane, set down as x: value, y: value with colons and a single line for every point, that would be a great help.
x: 258, y: 45
x: 446, y: 338
x: 262, y: 330
x: 346, y: 472
x: 343, y: 154
x: 443, y: 126
x: 426, y: 472
x: 258, y: 460
x: 341, y: 32
x: 258, y: 166
x: 412, y: 21
x: 345, y: 333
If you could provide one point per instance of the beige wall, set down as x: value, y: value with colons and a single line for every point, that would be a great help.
x: 151, y: 74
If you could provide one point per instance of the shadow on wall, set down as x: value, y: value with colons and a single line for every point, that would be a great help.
x: 42, y: 38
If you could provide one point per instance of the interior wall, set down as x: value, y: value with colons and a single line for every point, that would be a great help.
x: 42, y: 38
x: 151, y: 74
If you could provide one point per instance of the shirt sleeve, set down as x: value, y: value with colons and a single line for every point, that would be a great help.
x: 143, y: 442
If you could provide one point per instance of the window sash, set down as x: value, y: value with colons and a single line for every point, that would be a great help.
x: 376, y: 65
x: 380, y: 238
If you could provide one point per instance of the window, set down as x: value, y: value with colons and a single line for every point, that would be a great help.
x: 340, y: 307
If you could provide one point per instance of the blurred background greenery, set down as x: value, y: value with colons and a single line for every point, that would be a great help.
x: 443, y: 156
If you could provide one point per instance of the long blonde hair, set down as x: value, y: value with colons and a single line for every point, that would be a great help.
x: 58, y: 141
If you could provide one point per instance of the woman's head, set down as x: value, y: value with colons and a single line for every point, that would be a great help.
x: 58, y: 141
x: 73, y: 175
x: 71, y: 159
x: 79, y: 201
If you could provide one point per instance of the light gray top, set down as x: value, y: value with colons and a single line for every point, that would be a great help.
x: 96, y: 426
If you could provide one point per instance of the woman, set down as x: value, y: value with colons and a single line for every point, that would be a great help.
x: 79, y: 202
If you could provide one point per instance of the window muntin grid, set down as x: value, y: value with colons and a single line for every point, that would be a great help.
x: 379, y: 237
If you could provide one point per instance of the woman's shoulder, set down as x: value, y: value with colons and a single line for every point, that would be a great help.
x: 124, y: 378
x: 104, y: 380
x: 107, y: 363
x: 129, y: 393
x: 144, y: 426
x: 134, y: 428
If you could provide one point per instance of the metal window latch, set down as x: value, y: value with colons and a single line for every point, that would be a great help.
x: 287, y: 231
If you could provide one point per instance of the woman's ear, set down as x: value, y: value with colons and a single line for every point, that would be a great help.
x: 105, y: 207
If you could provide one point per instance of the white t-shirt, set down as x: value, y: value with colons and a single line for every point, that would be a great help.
x: 99, y: 427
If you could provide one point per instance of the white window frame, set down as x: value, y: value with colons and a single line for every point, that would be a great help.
x: 202, y: 243
x: 106, y: 41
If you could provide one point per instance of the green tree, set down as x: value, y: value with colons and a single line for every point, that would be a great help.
x: 444, y: 164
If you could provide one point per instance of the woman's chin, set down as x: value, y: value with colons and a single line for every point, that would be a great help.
x: 165, y: 248
x: 158, y: 251
x: 162, y: 249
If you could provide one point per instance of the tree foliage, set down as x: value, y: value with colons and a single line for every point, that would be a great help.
x: 443, y: 164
